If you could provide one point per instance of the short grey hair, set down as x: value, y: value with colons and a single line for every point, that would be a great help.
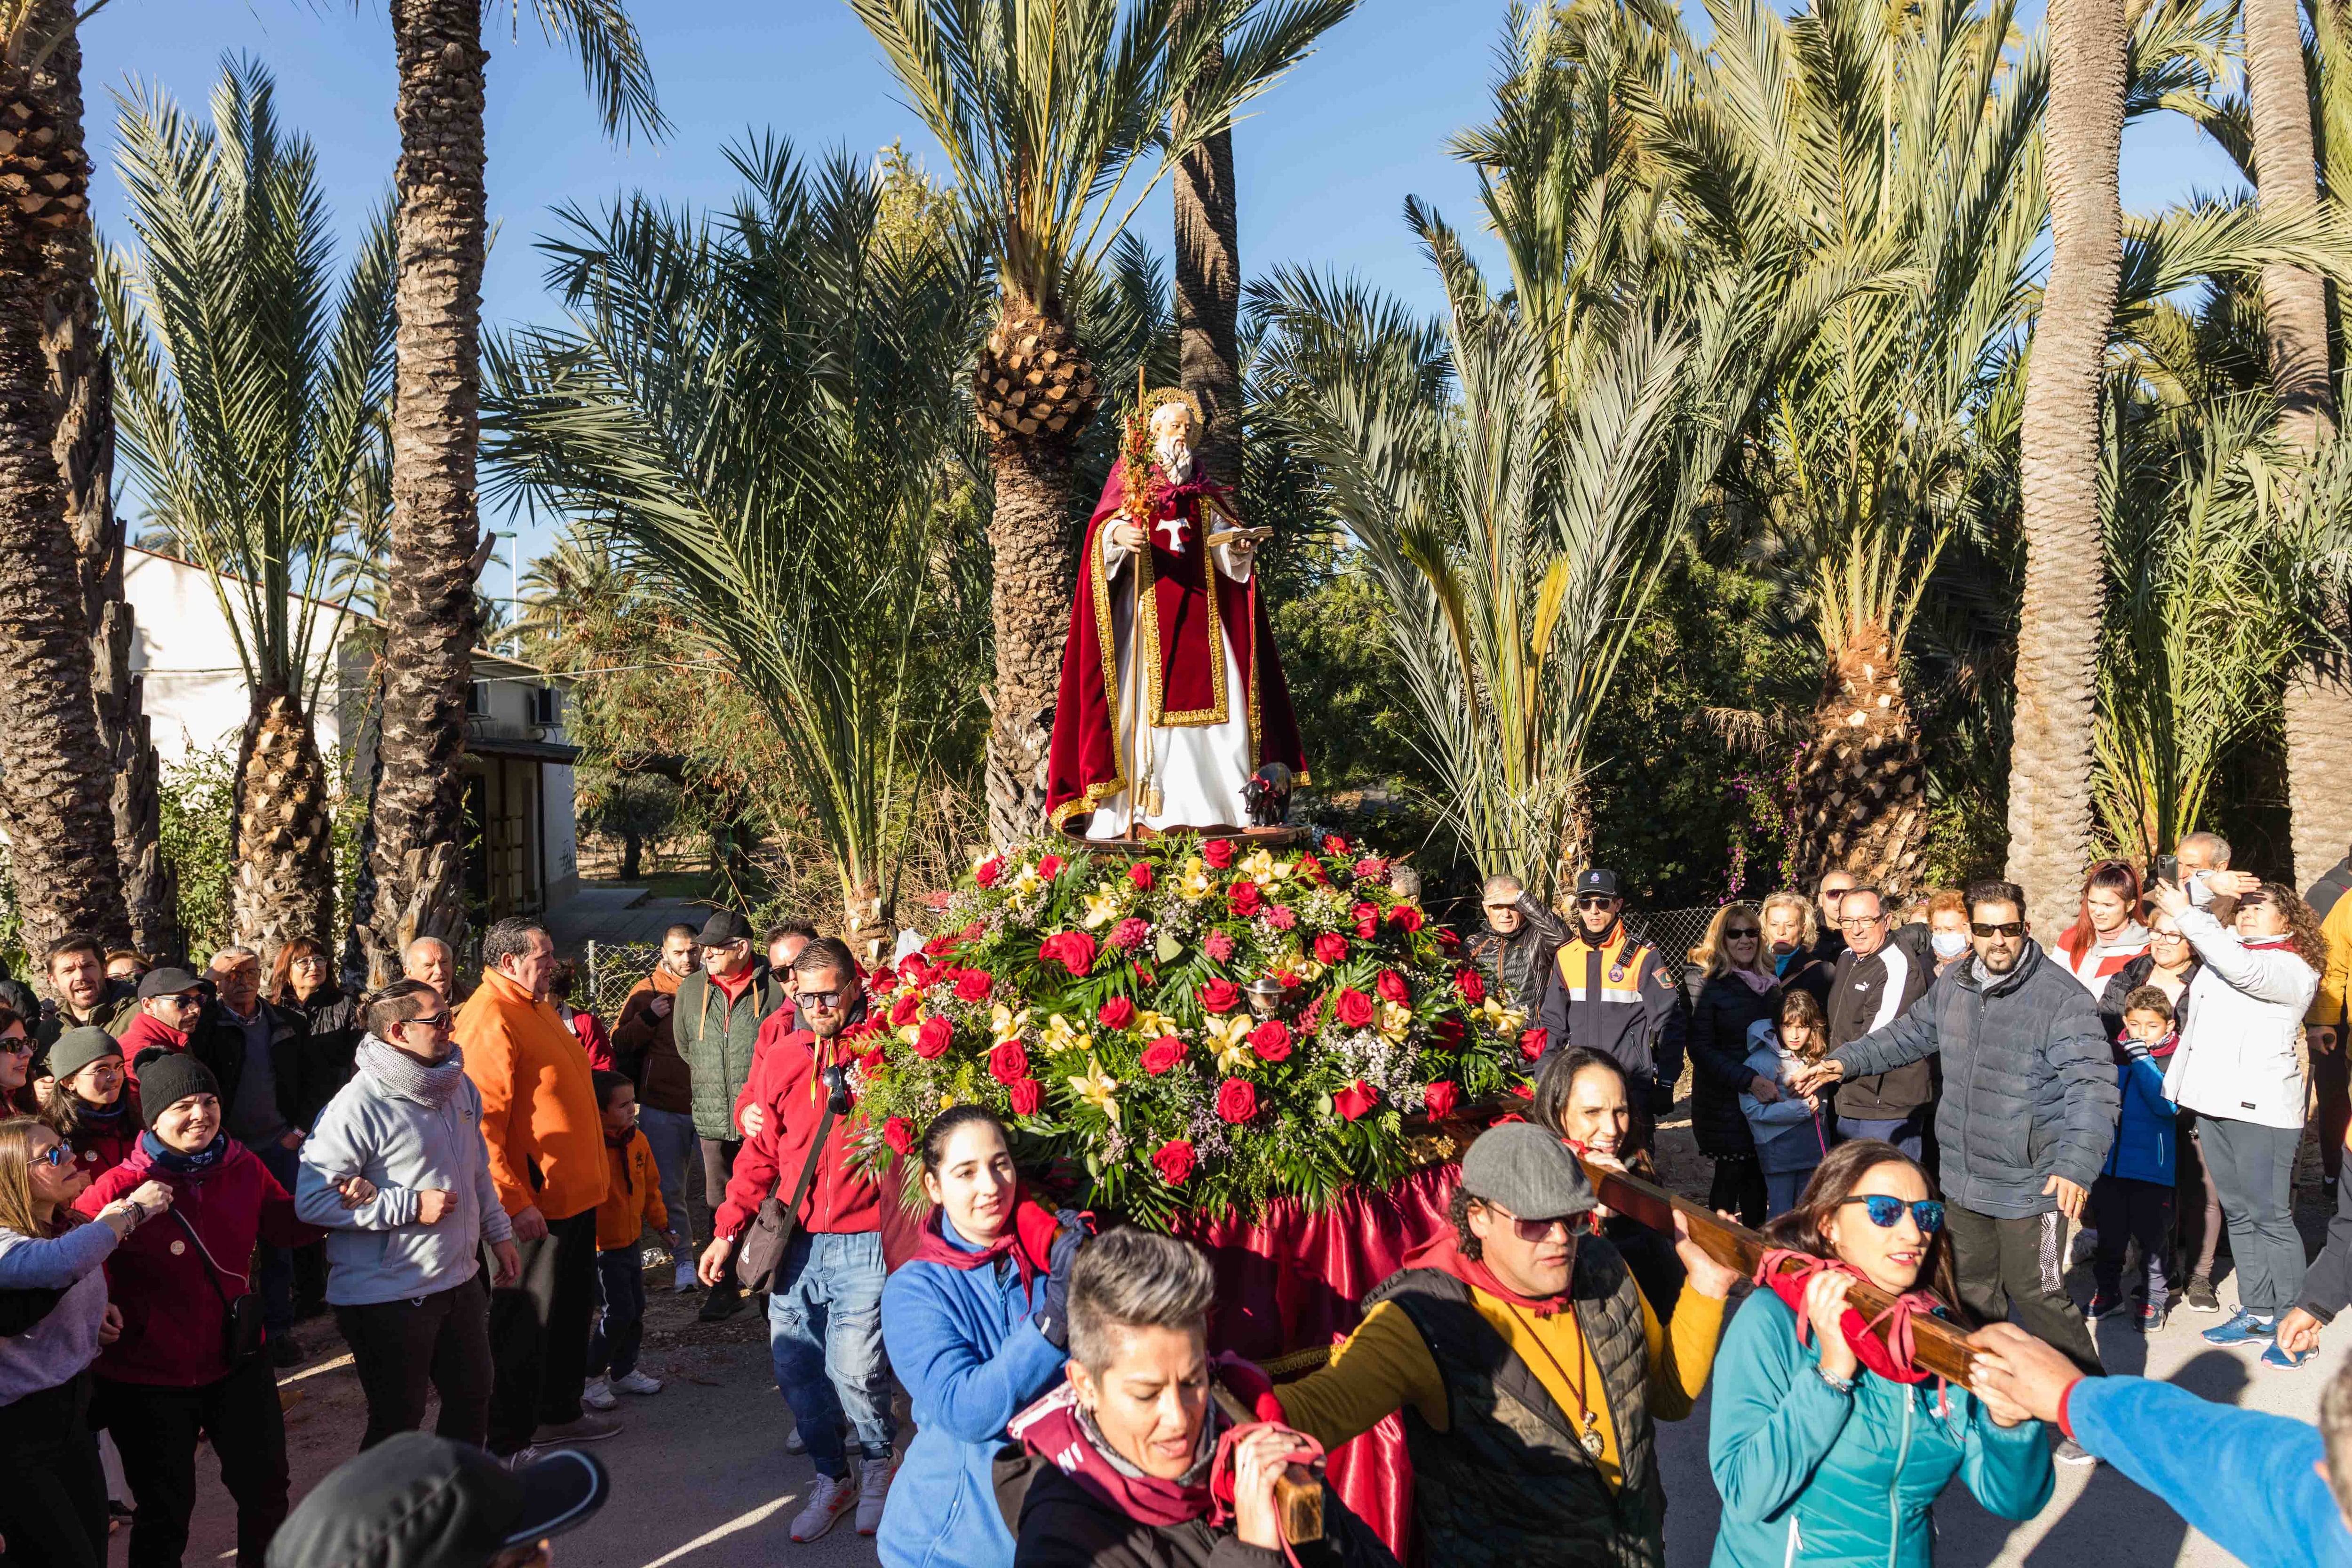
x: 1502, y: 889
x: 2213, y: 844
x: 510, y: 938
x: 410, y: 950
x: 233, y: 952
x: 1129, y: 1279
x: 2336, y: 1430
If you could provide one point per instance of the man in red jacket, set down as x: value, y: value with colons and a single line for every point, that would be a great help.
x: 824, y: 1306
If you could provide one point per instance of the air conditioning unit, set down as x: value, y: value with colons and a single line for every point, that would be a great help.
x: 546, y: 706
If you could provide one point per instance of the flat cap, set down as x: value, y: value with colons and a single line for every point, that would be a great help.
x: 723, y: 927
x: 1527, y: 1170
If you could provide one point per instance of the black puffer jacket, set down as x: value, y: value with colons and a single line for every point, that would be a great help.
x: 326, y: 1056
x: 2028, y: 1081
x: 1727, y: 1006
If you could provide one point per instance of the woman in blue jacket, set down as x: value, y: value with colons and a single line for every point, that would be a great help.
x: 1820, y: 1461
x: 975, y: 1331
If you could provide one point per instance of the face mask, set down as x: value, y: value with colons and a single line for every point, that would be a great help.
x: 1949, y: 943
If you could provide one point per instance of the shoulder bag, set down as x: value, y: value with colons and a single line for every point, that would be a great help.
x: 241, y: 1330
x: 760, y: 1250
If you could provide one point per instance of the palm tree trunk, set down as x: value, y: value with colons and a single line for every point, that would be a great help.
x: 56, y: 782
x: 1029, y: 603
x: 428, y: 602
x: 1209, y: 294
x: 1861, y: 804
x: 284, y: 885
x: 2049, y: 807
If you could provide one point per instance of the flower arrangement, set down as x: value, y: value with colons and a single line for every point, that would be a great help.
x: 1208, y: 1026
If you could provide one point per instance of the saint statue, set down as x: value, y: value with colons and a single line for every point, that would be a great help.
x: 1166, y: 567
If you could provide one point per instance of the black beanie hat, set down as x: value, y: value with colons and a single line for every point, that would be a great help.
x: 166, y: 1077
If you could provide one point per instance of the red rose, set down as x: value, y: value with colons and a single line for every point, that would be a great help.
x: 1050, y: 867
x: 1368, y: 920
x: 1129, y: 934
x: 1533, y: 1041
x: 1218, y: 853
x: 899, y: 1133
x: 1281, y: 917
x: 1524, y: 1091
x: 1174, y: 1162
x: 1116, y: 1013
x: 1333, y: 844
x: 1331, y: 948
x: 1075, y: 950
x: 1371, y: 867
x: 1392, y: 987
x: 1448, y: 938
x: 1162, y: 1053
x: 1236, y: 1099
x: 1353, y: 1008
x: 933, y: 1039
x: 1440, y: 1097
x: 1312, y: 869
x: 1024, y: 1094
x: 1244, y: 900
x: 1008, y: 1063
x: 1471, y: 985
x: 1406, y: 918
x: 1289, y: 981
x: 973, y: 985
x: 1141, y: 875
x: 1271, y: 1040
x: 988, y: 871
x: 1220, y: 996
x: 902, y: 1011
x: 917, y: 973
x: 1355, y: 1099
x: 1449, y: 1033
x: 1219, y: 946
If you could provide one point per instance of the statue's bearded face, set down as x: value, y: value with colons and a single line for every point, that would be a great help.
x: 1172, y: 441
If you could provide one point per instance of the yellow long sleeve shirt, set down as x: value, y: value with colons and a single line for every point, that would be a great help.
x: 1386, y: 1365
x: 2328, y: 1004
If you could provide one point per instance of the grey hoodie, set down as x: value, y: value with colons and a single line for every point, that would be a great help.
x: 405, y: 1145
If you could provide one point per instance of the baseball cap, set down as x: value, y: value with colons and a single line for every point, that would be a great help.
x: 723, y: 927
x: 1527, y: 1170
x: 1599, y: 884
x: 416, y: 1500
x: 166, y: 982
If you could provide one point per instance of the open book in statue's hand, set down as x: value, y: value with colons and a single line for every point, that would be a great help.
x: 1233, y: 535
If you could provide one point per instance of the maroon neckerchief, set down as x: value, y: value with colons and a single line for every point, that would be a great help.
x: 1442, y: 1252
x: 1051, y: 1429
x: 1028, y: 1241
x: 2158, y: 1049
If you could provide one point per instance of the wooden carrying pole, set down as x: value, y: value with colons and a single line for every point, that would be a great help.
x: 1938, y: 1346
x: 1297, y: 1491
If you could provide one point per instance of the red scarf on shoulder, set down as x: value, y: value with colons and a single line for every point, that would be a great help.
x: 1444, y: 1253
x: 1028, y: 1241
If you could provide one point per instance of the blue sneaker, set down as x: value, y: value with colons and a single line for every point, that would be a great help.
x: 2278, y: 1356
x: 2243, y: 1328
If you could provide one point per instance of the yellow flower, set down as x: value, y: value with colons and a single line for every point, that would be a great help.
x: 946, y: 1100
x: 1501, y: 1019
x: 1395, y: 1020
x: 908, y: 1033
x: 1097, y: 1087
x: 1194, y: 883
x: 1027, y: 882
x: 1307, y: 969
x: 1151, y: 1024
x: 1102, y: 907
x: 1004, y: 1023
x: 1229, y: 1037
x: 1258, y: 867
x: 1061, y: 1035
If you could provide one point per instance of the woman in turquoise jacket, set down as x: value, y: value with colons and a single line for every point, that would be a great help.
x: 1820, y: 1461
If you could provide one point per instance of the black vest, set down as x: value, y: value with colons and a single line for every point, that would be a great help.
x: 1510, y: 1483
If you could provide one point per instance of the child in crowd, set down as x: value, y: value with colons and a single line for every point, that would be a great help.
x: 633, y: 1201
x: 2132, y: 1199
x: 1790, y: 1139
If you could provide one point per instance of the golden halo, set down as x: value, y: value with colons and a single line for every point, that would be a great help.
x: 1153, y: 402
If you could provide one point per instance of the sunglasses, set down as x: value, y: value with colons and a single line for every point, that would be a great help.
x: 192, y: 999
x: 1884, y: 1212
x: 15, y: 1046
x: 430, y: 1020
x: 1596, y: 903
x: 823, y: 1001
x: 1532, y: 1230
x: 1744, y: 933
x: 2006, y: 928
x: 55, y: 1156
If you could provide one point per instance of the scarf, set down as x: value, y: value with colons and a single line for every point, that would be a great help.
x: 2125, y: 1048
x: 101, y: 1118
x: 1028, y: 1241
x: 1758, y: 982
x: 1057, y: 1430
x: 628, y: 1179
x: 429, y: 1084
x: 165, y: 1158
x: 1785, y: 1272
x: 1444, y: 1253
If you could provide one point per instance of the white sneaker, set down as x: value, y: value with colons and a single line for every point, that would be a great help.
x: 598, y: 1395
x: 828, y: 1500
x: 634, y: 1383
x: 874, y: 1479
x: 683, y: 1281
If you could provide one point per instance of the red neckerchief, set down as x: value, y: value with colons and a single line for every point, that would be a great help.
x: 1028, y: 1241
x: 1786, y: 1272
x: 1442, y: 1252
x: 736, y: 983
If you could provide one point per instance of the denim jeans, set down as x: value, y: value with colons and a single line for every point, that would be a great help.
x: 1907, y: 1133
x: 825, y: 1335
x: 675, y: 1147
x: 621, y: 1292
x: 278, y: 1262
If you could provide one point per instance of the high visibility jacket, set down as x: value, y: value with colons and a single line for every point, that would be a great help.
x: 1612, y: 995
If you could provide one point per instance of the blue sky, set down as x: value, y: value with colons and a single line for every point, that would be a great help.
x: 1324, y: 163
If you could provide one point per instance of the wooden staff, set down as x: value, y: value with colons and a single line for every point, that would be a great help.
x: 1297, y: 1491
x: 1936, y: 1346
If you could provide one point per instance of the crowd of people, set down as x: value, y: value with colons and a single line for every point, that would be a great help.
x: 1923, y: 1100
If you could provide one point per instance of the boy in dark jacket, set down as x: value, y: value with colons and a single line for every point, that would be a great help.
x: 2132, y: 1199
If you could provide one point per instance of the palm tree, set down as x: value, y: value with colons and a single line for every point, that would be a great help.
x: 2051, y: 742
x: 417, y: 886
x: 56, y: 770
x: 251, y: 383
x: 762, y: 410
x: 1047, y: 110
x: 1209, y: 285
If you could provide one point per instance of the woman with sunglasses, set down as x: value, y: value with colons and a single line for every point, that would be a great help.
x: 54, y: 1318
x: 1821, y: 1460
x: 1739, y: 992
x: 92, y: 1108
x: 16, y: 1046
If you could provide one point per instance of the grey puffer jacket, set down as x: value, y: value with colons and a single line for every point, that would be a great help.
x: 2029, y: 1082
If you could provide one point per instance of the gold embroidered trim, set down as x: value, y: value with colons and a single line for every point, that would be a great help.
x: 1192, y: 718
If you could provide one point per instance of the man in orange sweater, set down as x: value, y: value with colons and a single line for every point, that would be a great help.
x: 546, y: 1140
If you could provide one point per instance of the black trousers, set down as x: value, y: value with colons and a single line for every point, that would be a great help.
x: 718, y: 1165
x: 2015, y: 1269
x: 440, y: 1341
x: 539, y: 1333
x: 1738, y: 1188
x: 156, y: 1430
x: 621, y: 1331
x: 53, y: 1496
x: 2125, y: 1211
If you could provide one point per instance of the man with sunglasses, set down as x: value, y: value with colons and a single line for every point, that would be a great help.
x: 1610, y: 993
x: 1527, y: 1366
x: 2029, y: 1109
x: 717, y: 1020
x: 1520, y: 944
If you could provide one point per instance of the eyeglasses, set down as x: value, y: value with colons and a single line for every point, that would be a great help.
x: 823, y: 1001
x: 54, y: 1156
x: 1744, y: 933
x: 1885, y: 1212
x: 2006, y: 928
x: 1861, y: 920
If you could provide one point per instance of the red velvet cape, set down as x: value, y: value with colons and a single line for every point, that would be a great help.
x: 1186, y: 684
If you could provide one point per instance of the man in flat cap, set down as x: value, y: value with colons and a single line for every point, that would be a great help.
x: 1527, y: 1366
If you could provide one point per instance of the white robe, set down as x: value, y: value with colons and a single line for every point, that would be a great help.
x: 1201, y: 769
